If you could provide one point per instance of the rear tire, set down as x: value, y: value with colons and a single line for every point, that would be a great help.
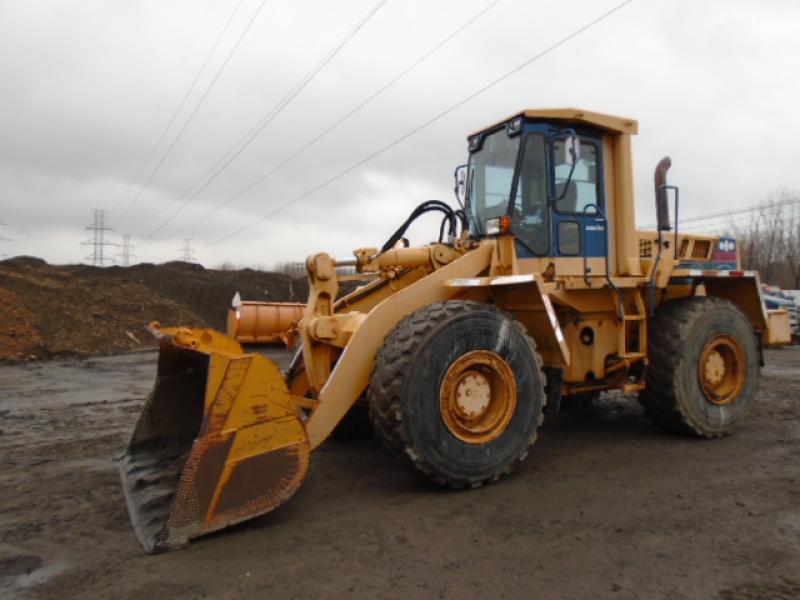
x: 704, y: 368
x: 458, y: 392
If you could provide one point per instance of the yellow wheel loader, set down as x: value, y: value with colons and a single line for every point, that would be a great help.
x: 539, y: 287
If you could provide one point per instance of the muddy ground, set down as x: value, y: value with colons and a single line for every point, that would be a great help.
x: 606, y: 506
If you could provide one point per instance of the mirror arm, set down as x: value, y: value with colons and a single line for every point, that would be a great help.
x: 550, y: 139
x: 455, y: 188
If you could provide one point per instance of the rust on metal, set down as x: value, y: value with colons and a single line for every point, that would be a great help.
x: 721, y: 369
x: 267, y: 479
x: 220, y: 440
x: 478, y: 396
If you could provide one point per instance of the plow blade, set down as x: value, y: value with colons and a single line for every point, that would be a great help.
x: 220, y: 441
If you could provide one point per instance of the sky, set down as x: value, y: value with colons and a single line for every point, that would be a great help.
x: 87, y: 89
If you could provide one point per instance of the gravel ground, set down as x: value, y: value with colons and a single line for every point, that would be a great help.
x: 606, y: 506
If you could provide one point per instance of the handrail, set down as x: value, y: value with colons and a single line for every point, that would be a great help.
x: 651, y: 296
x: 586, y: 269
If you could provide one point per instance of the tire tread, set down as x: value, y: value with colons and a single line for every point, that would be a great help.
x: 392, y: 365
x: 667, y: 332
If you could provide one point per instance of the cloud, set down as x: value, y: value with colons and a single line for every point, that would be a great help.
x: 90, y: 86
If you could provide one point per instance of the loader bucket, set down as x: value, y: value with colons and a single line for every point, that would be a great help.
x: 219, y: 441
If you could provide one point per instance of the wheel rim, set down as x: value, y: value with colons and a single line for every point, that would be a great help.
x: 478, y: 397
x: 721, y: 369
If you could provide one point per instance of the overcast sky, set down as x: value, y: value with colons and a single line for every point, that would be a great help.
x: 87, y: 87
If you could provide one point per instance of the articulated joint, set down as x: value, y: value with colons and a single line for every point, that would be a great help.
x: 324, y: 328
x: 335, y: 330
x: 321, y: 266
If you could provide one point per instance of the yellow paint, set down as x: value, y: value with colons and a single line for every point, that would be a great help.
x: 592, y: 325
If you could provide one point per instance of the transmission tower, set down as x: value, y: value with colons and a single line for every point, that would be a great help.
x: 187, y: 254
x: 126, y: 254
x: 4, y: 238
x: 98, y: 241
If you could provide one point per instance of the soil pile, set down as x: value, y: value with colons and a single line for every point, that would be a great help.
x: 50, y: 310
x: 19, y: 337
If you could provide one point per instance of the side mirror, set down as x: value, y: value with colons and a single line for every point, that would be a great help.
x: 570, y: 146
x: 460, y: 189
x: 572, y: 149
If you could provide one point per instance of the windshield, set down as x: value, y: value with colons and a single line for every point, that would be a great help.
x: 491, y: 171
x: 530, y: 221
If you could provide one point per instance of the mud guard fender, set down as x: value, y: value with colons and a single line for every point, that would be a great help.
x: 524, y: 296
x: 743, y: 288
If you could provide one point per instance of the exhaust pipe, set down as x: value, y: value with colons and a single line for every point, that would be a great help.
x: 662, y: 205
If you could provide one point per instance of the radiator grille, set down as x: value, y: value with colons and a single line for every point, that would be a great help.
x: 701, y: 248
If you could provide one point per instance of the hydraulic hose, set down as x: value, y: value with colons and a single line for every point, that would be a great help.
x: 450, y: 218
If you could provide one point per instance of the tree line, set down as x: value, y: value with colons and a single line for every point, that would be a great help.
x: 769, y: 239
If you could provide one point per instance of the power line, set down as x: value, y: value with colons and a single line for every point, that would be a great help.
x: 425, y: 124
x: 98, y: 241
x: 270, y: 116
x: 740, y: 221
x: 352, y: 112
x: 196, y: 107
x: 174, y: 116
x: 728, y: 213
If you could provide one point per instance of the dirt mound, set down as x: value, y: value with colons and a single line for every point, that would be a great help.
x: 48, y: 310
x: 19, y: 338
x: 23, y: 261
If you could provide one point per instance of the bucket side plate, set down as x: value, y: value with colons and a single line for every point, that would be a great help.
x: 220, y: 441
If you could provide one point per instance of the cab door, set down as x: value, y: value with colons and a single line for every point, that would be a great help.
x: 579, y: 226
x: 549, y: 221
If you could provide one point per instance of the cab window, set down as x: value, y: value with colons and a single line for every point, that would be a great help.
x: 530, y: 222
x: 582, y: 191
x: 491, y: 172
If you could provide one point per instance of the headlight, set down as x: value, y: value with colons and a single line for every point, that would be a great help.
x: 493, y: 226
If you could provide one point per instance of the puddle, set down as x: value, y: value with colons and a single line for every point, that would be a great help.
x: 41, y: 575
x: 26, y: 570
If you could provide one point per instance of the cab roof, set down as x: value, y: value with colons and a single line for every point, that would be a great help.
x: 575, y: 115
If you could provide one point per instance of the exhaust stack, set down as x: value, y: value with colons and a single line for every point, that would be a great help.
x: 662, y: 204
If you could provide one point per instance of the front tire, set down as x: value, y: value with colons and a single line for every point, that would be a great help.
x: 704, y: 369
x: 458, y: 392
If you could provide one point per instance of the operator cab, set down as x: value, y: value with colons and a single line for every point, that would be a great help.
x: 539, y: 176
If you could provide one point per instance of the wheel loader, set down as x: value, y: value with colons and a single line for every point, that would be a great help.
x: 539, y: 287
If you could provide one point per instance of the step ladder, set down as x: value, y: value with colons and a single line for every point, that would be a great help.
x: 633, y: 326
